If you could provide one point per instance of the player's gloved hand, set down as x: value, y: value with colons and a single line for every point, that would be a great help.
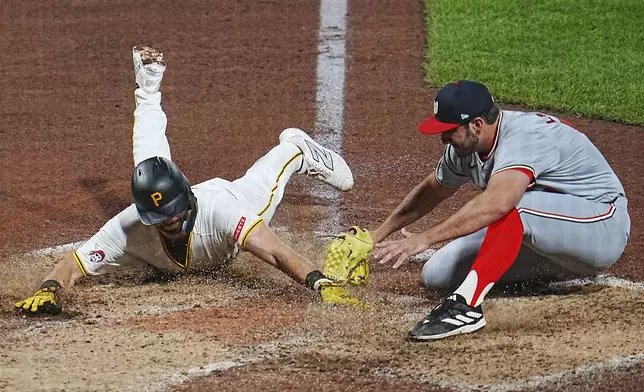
x: 332, y: 293
x: 347, y: 257
x: 43, y: 300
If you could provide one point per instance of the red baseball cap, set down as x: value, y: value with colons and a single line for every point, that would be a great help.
x: 455, y: 104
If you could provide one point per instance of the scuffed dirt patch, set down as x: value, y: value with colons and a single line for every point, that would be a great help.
x: 242, y: 322
x: 163, y: 331
x: 526, y: 339
x: 613, y: 379
x: 311, y: 372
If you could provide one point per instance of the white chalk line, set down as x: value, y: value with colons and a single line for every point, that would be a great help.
x: 329, y: 126
x: 617, y: 363
x: 329, y: 121
x: 55, y: 249
x: 177, y: 378
x: 613, y: 364
x: 602, y: 280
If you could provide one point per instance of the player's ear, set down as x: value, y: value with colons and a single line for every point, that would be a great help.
x: 476, y: 125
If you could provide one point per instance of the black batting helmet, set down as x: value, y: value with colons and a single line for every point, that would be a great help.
x: 160, y: 191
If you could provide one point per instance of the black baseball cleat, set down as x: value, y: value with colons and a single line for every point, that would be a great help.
x: 452, y: 317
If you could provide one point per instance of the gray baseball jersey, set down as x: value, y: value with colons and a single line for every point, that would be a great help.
x: 559, y: 157
x: 574, y: 211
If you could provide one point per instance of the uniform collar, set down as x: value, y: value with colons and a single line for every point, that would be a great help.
x: 497, y: 131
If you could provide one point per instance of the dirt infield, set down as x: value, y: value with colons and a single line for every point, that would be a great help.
x: 238, y: 73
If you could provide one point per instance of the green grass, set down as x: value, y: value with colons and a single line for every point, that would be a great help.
x: 583, y: 57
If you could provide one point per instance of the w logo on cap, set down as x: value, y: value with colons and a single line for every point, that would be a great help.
x: 435, y: 107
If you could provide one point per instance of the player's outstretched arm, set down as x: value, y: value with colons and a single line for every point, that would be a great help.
x: 504, y: 191
x: 46, y: 300
x: 266, y: 245
x: 419, y: 202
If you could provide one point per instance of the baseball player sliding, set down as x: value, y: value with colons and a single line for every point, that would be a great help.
x: 551, y: 206
x: 175, y: 226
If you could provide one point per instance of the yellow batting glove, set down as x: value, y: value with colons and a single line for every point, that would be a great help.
x: 43, y: 300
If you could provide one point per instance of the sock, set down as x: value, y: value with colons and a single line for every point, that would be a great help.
x: 499, y: 250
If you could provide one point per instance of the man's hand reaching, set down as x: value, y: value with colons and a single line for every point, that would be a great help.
x: 401, y: 250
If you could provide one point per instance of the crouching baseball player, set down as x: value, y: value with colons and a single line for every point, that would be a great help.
x: 175, y: 226
x: 551, y: 207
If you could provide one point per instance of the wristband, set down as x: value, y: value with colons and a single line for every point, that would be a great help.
x: 50, y: 284
x: 314, y: 279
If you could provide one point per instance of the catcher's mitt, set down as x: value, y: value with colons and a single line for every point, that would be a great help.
x: 347, y: 257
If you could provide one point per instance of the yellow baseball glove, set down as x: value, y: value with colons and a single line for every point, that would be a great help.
x: 43, y: 300
x: 331, y: 292
x: 347, y: 257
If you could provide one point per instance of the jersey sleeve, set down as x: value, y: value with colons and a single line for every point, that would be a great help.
x: 450, y: 171
x: 533, y: 152
x: 105, y: 251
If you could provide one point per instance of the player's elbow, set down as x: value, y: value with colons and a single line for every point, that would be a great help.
x: 500, y: 203
x: 504, y: 208
x: 498, y: 207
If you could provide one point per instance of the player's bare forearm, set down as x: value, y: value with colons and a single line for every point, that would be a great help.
x: 266, y: 245
x: 293, y: 264
x: 480, y: 212
x: 504, y: 192
x: 418, y: 203
x: 66, y: 272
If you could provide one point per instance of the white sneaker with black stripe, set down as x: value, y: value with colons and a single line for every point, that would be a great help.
x: 319, y: 161
x: 452, y: 317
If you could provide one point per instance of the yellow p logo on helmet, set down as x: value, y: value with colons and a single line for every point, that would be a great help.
x: 156, y: 197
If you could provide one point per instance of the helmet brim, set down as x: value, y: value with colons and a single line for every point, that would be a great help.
x: 149, y: 218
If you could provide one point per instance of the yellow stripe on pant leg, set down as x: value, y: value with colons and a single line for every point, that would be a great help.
x: 270, y: 199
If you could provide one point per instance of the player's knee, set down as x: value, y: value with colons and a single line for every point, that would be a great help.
x: 292, y: 129
x: 604, y: 262
x: 435, y: 277
x: 608, y: 254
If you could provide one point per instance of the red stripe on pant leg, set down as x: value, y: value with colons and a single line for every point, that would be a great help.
x: 499, y: 250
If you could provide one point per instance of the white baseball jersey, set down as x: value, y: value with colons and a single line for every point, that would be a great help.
x: 222, y: 226
x: 227, y: 214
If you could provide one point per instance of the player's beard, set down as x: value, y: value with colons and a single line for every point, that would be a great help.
x: 173, y: 229
x: 468, y: 146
